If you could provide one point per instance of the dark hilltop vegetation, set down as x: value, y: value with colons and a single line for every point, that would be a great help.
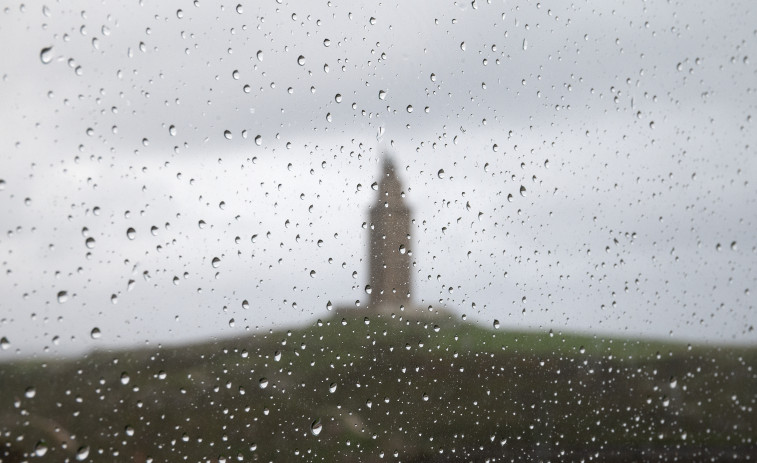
x: 354, y: 389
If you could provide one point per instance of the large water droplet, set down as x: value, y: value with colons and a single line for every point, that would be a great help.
x: 82, y: 453
x: 131, y: 233
x: 316, y: 427
x: 216, y: 262
x: 301, y: 60
x: 95, y: 333
x: 62, y: 296
x: 263, y: 383
x: 40, y: 449
x: 46, y: 55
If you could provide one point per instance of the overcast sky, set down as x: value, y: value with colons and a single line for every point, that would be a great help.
x: 576, y: 167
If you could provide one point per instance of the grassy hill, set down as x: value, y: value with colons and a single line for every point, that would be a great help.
x: 386, y: 390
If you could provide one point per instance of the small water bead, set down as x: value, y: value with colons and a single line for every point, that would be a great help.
x: 240, y: 10
x: 338, y: 98
x: 227, y: 134
x: 131, y: 233
x: 125, y: 378
x: 4, y: 343
x: 382, y: 94
x: 95, y: 333
x: 216, y: 262
x: 409, y: 108
x: 301, y: 60
x: 332, y: 388
x: 129, y: 431
x: 30, y: 392
x: 523, y: 191
x: 326, y: 42
x: 259, y: 55
x: 263, y: 383
x: 496, y: 324
x: 62, y: 297
x: 89, y: 243
x: 259, y: 140
x: 440, y: 174
x: 245, y: 304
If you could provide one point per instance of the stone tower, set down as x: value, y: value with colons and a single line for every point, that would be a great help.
x: 389, y: 259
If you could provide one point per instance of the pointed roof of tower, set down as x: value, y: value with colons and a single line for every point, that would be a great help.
x: 390, y: 186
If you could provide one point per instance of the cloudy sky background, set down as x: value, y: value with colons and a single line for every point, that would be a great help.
x: 630, y: 125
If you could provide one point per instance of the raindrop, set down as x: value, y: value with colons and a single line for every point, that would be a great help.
x: 382, y: 94
x: 425, y: 397
x: 95, y: 333
x: 259, y: 140
x: 368, y: 289
x: 525, y: 44
x: 338, y: 98
x: 30, y: 392
x: 409, y: 108
x: 239, y: 9
x: 90, y: 243
x: 125, y: 378
x: 402, y: 249
x: 263, y: 383
x: 523, y: 191
x: 227, y: 134
x: 301, y: 60
x: 4, y: 343
x: 216, y: 262
x: 316, y: 427
x: 40, y: 449
x: 131, y: 233
x: 46, y: 55
x: 245, y: 304
x: 332, y: 388
x: 440, y: 174
x: 129, y: 431
x: 82, y: 453
x: 62, y: 296
x: 259, y: 55
x: 496, y: 324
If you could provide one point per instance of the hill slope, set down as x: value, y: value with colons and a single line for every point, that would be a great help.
x: 386, y: 390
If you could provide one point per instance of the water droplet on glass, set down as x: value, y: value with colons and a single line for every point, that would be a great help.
x: 525, y: 44
x: 425, y: 397
x: 4, y: 343
x: 129, y: 431
x: 263, y: 383
x: 90, y: 243
x: 496, y: 324
x: 440, y: 174
x: 409, y: 108
x: 131, y: 233
x: 239, y: 9
x: 523, y: 191
x: 30, y: 392
x: 40, y: 449
x: 338, y: 98
x: 259, y: 55
x: 316, y: 427
x: 301, y: 60
x: 332, y: 388
x: 402, y: 249
x: 368, y: 289
x: 227, y: 134
x: 82, y: 453
x: 216, y: 262
x: 382, y: 94
x: 46, y: 55
x: 259, y: 140
x: 125, y: 378
x: 95, y: 333
x: 62, y: 296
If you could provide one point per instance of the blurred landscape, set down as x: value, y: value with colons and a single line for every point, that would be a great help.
x: 387, y: 389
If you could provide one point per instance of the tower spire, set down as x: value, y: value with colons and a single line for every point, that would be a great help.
x: 390, y: 277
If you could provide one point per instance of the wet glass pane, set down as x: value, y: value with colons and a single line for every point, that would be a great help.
x: 378, y: 231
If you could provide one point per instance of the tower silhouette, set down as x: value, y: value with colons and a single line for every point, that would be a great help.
x: 390, y: 275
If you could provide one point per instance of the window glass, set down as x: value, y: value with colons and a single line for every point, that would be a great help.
x: 366, y: 231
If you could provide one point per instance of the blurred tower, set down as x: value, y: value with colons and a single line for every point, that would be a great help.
x: 389, y: 244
